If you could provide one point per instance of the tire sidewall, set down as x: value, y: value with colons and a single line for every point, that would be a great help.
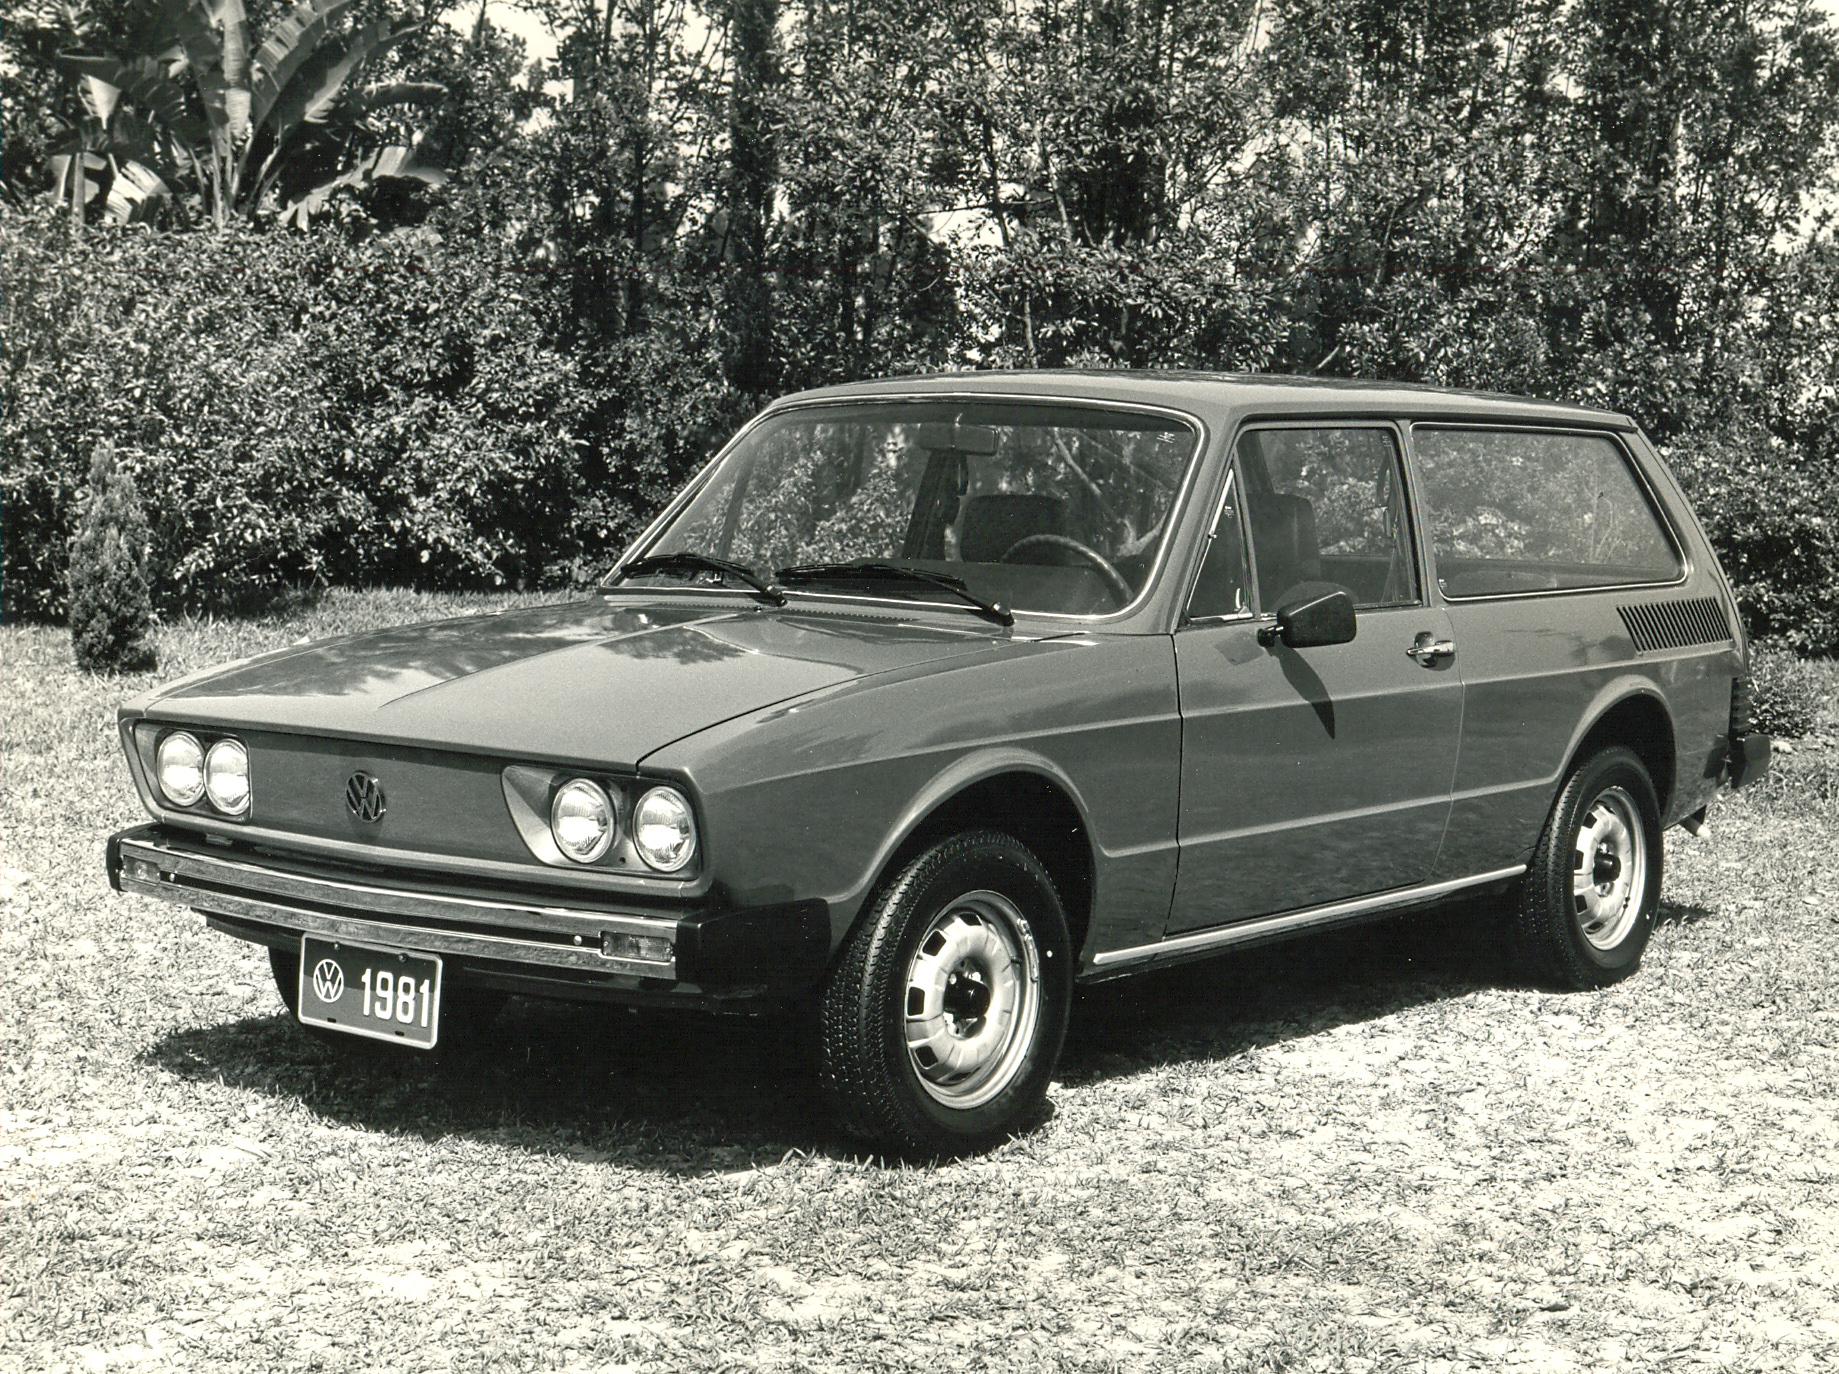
x: 976, y: 861
x: 1617, y: 767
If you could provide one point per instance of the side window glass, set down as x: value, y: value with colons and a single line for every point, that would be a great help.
x: 1517, y: 512
x: 1328, y: 505
x: 1221, y: 588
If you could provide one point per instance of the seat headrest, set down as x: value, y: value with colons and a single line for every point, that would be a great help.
x: 1283, y: 535
x: 993, y: 524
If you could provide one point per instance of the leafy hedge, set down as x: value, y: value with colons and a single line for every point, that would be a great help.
x: 299, y: 409
x: 1773, y: 515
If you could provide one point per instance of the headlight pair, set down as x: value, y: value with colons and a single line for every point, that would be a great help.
x: 187, y: 772
x: 585, y: 823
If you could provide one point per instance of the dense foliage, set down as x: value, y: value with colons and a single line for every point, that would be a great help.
x: 1788, y: 695
x: 111, y: 611
x: 699, y: 205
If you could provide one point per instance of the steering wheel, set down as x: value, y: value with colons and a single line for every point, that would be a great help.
x: 1114, y: 579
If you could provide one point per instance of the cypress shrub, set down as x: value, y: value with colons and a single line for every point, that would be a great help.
x: 111, y: 608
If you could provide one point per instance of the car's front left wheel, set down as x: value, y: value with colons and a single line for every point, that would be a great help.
x: 944, y: 1015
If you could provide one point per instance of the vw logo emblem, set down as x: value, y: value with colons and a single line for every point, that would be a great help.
x: 364, y: 798
x: 328, y: 980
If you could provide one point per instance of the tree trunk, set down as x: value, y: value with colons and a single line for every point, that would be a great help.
x: 752, y: 174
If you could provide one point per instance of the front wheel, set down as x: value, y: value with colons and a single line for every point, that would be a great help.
x: 944, y: 1015
x: 1586, y: 906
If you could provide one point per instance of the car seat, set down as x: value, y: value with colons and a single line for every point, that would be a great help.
x: 1283, y: 544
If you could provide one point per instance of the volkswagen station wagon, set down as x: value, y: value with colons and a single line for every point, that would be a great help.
x: 927, y: 700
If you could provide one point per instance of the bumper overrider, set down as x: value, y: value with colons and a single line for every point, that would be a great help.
x: 489, y: 938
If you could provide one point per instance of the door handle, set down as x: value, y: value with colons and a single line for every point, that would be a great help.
x: 1428, y: 650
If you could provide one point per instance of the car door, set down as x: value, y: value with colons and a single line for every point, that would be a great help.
x: 1311, y: 775
x: 1547, y: 546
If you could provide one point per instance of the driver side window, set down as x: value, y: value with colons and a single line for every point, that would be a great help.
x: 1328, y: 505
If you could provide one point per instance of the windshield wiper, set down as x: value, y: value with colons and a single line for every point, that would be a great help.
x: 688, y: 562
x: 893, y: 572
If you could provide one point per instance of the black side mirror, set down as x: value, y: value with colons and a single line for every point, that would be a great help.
x: 1310, y: 614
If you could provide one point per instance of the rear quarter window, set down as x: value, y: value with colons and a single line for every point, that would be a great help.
x: 1520, y: 511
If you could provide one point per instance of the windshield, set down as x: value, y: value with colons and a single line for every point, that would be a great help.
x: 1050, y: 508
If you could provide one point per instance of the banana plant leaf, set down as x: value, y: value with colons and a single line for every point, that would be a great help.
x: 65, y: 167
x: 288, y: 45
x: 135, y: 193
x: 235, y: 65
x: 395, y: 163
x: 99, y: 97
x: 144, y: 83
x: 383, y: 94
x: 195, y: 32
x: 315, y: 90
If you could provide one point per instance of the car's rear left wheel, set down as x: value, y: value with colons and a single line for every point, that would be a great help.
x: 1587, y: 903
x: 944, y: 1015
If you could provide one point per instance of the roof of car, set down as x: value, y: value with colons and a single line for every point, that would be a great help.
x: 1242, y: 392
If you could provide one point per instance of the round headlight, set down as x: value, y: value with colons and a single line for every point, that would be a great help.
x: 226, y: 776
x: 180, y: 764
x: 663, y: 831
x: 582, y: 820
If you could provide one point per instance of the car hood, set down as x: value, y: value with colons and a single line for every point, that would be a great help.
x: 604, y: 681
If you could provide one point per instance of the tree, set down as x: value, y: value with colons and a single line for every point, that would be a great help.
x: 111, y: 609
x: 282, y: 122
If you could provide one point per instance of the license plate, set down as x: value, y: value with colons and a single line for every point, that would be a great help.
x: 386, y: 994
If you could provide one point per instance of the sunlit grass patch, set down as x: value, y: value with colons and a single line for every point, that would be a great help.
x: 1374, y: 1150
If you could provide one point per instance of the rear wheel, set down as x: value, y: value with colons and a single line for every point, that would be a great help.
x: 465, y: 1012
x: 1588, y: 900
x: 944, y: 1015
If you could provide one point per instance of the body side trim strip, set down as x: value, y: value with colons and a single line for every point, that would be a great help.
x: 1222, y: 937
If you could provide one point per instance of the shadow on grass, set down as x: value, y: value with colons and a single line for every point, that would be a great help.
x: 692, y: 1094
x: 1681, y: 914
x: 1264, y: 996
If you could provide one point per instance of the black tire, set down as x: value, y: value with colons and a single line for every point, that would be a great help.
x: 1578, y: 940
x: 973, y: 923
x: 466, y: 1013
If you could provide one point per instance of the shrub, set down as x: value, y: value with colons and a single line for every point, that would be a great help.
x: 1772, y: 513
x: 1787, y: 696
x: 300, y: 410
x: 111, y: 612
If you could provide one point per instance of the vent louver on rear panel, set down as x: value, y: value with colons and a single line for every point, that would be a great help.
x: 1658, y: 625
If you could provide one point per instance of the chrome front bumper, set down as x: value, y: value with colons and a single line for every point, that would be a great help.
x: 472, y: 928
x: 561, y: 949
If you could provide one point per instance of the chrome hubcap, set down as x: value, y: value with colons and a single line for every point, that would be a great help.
x: 1608, y: 869
x: 973, y: 998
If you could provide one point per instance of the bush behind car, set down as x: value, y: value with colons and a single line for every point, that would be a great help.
x: 301, y: 409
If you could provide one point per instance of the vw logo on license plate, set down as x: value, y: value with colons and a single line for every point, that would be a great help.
x: 364, y: 797
x: 328, y: 980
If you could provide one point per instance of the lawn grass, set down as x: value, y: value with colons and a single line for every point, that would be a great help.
x: 1366, y: 1151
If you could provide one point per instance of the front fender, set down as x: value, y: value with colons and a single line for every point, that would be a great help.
x: 810, y: 800
x: 963, y: 772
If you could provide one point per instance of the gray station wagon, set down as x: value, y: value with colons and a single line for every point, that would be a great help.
x: 927, y: 699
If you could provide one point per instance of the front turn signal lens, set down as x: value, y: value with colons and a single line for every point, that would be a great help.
x: 180, y: 766
x: 663, y: 830
x: 226, y: 776
x: 582, y: 820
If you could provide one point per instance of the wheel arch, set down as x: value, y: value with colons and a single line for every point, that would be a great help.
x: 1636, y: 716
x: 1019, y: 793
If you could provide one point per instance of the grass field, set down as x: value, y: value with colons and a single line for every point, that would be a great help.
x: 1369, y: 1151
